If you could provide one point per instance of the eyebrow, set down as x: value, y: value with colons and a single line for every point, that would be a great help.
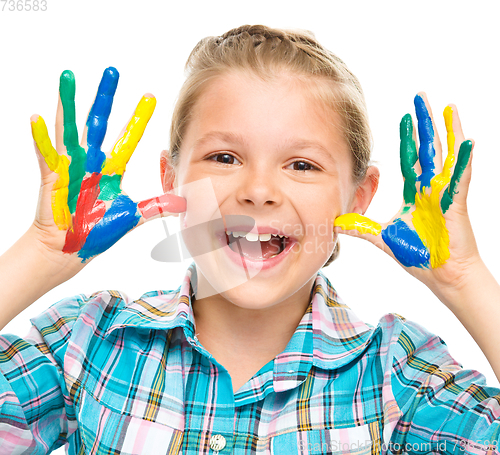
x: 229, y: 137
x: 296, y: 144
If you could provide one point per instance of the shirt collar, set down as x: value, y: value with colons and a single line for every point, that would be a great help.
x: 161, y: 310
x: 328, y: 336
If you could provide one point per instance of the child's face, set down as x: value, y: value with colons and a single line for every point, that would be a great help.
x: 266, y: 134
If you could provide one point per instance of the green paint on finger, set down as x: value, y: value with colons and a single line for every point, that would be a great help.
x: 70, y: 137
x: 462, y: 162
x: 408, y: 156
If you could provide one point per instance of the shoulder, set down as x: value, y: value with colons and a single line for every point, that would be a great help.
x: 420, y: 361
x: 97, y: 305
x: 83, y: 317
x: 407, y: 340
x: 63, y: 314
x: 411, y: 339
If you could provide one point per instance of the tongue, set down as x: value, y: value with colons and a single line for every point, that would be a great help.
x: 256, y: 250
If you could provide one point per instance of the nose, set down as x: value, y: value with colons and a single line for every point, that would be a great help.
x: 259, y: 187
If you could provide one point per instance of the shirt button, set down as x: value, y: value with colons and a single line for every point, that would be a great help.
x: 217, y: 442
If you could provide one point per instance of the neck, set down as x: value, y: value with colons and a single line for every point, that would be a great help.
x: 245, y: 339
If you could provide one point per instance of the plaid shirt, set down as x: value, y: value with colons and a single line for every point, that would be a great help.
x: 112, y: 376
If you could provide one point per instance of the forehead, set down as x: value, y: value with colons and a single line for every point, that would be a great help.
x: 282, y: 111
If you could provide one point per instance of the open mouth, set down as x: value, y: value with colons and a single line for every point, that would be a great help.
x: 255, y: 246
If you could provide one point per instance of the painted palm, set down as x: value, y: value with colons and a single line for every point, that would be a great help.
x: 418, y: 235
x: 87, y: 199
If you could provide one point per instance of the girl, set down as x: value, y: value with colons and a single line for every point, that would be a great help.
x: 254, y: 352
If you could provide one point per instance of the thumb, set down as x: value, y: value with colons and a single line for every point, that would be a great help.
x: 360, y: 224
x: 164, y: 205
x: 357, y: 225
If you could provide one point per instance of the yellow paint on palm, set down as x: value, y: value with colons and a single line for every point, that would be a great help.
x: 58, y: 164
x: 429, y: 223
x: 428, y: 218
x: 125, y: 146
x: 361, y: 223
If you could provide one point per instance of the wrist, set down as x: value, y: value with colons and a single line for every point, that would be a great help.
x: 28, y: 270
x: 475, y: 285
x: 46, y: 250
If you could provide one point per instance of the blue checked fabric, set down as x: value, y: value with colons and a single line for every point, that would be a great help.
x: 107, y: 375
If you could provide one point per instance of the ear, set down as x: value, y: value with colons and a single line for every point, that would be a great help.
x: 167, y: 172
x: 365, y: 191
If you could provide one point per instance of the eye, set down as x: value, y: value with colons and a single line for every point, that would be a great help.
x: 222, y: 158
x: 303, y: 166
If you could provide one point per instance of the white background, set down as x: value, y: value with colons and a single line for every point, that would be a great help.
x: 448, y: 49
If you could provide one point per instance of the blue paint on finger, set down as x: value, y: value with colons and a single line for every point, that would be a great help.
x: 97, y: 122
x: 426, y: 152
x: 406, y: 245
x: 119, y: 219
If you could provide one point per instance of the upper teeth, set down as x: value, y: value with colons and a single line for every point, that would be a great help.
x: 251, y: 237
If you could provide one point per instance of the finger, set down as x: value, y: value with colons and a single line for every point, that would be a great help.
x: 78, y: 156
x: 125, y: 146
x: 461, y: 176
x: 67, y: 97
x: 121, y: 134
x: 356, y: 225
x: 455, y: 136
x: 83, y: 142
x: 58, y: 164
x: 59, y: 127
x: 457, y: 125
x: 445, y: 175
x: 429, y: 141
x: 408, y: 156
x: 360, y: 223
x: 417, y: 167
x: 97, y: 121
x: 42, y: 140
x: 163, y: 205
x: 438, y: 158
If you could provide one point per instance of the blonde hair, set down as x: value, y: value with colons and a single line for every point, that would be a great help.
x: 268, y: 52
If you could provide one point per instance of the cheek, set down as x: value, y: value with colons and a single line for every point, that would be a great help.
x: 201, y: 199
x: 322, y: 207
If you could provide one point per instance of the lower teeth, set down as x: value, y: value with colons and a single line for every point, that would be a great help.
x: 232, y: 242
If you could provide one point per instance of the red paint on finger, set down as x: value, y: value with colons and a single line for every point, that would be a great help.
x: 89, y: 211
x: 166, y: 203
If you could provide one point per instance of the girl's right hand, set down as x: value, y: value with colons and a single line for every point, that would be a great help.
x: 82, y: 210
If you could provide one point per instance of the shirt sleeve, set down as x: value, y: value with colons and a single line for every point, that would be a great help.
x: 444, y: 408
x: 36, y: 411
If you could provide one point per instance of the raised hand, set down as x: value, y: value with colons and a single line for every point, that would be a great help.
x: 431, y: 231
x: 87, y: 201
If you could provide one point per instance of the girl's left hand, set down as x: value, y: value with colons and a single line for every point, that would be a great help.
x: 431, y: 235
